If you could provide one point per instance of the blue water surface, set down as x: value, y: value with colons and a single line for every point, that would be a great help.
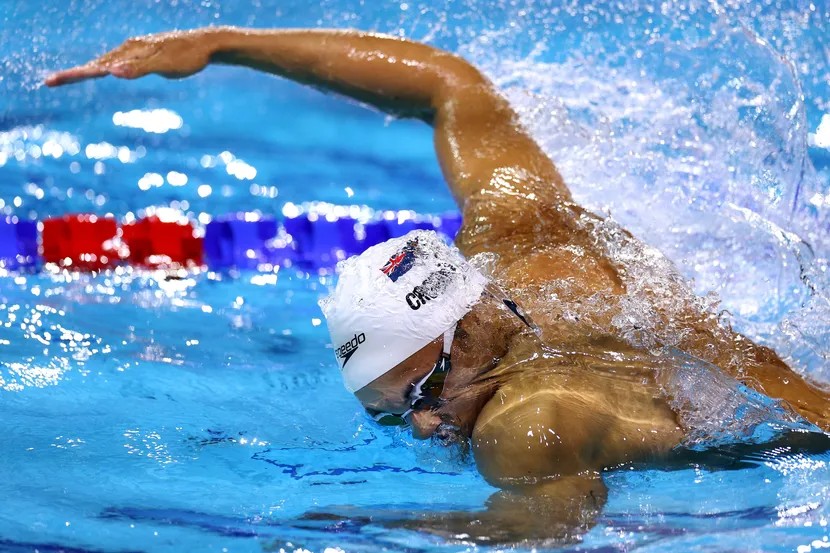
x: 207, y: 414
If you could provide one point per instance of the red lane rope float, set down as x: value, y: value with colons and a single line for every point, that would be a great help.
x: 153, y: 243
x: 84, y: 242
x: 245, y: 241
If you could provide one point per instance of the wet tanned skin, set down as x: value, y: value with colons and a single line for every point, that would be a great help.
x: 545, y: 415
x: 483, y: 337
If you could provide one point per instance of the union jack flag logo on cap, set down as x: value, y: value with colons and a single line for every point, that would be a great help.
x: 400, y: 263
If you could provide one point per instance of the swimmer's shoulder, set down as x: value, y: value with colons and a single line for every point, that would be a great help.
x: 559, y: 422
x: 522, y: 433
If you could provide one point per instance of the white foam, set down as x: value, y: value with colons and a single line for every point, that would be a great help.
x: 697, y: 143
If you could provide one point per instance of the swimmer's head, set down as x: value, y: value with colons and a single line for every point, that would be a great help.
x: 394, y: 299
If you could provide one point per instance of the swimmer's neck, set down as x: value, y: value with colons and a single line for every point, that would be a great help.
x: 485, y: 336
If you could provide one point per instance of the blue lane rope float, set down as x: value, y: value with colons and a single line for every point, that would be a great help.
x: 311, y: 239
x: 18, y: 244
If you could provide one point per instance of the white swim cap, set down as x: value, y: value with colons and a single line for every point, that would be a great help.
x: 395, y: 298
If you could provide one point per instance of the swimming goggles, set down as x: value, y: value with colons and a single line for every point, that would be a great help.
x: 426, y: 393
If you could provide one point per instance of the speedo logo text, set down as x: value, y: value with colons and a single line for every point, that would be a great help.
x: 346, y: 350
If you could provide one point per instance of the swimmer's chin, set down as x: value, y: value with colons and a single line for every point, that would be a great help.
x: 446, y: 445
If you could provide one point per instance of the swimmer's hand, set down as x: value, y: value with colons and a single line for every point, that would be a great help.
x: 173, y: 55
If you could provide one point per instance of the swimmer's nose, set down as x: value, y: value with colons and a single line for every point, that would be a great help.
x: 424, y: 424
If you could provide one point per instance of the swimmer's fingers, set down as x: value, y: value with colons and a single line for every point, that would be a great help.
x: 115, y: 62
x: 93, y: 70
x: 76, y: 74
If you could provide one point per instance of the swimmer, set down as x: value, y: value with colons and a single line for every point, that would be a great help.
x: 525, y: 354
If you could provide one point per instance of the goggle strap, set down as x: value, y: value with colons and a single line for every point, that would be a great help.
x: 449, y: 334
x: 496, y: 292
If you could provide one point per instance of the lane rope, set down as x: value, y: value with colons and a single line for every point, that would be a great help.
x: 311, y: 238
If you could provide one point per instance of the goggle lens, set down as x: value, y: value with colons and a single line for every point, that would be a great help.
x: 388, y: 419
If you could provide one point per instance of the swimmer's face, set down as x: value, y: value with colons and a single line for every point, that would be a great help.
x: 391, y: 392
x: 460, y: 401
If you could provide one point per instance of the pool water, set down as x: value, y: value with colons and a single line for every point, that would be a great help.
x: 141, y: 414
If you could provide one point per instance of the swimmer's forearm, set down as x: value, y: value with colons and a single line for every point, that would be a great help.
x: 393, y: 74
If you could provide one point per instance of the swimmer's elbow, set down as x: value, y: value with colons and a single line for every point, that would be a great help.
x: 455, y: 75
x: 460, y: 72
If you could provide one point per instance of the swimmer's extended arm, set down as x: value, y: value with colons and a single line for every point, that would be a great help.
x: 559, y: 511
x: 482, y: 149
